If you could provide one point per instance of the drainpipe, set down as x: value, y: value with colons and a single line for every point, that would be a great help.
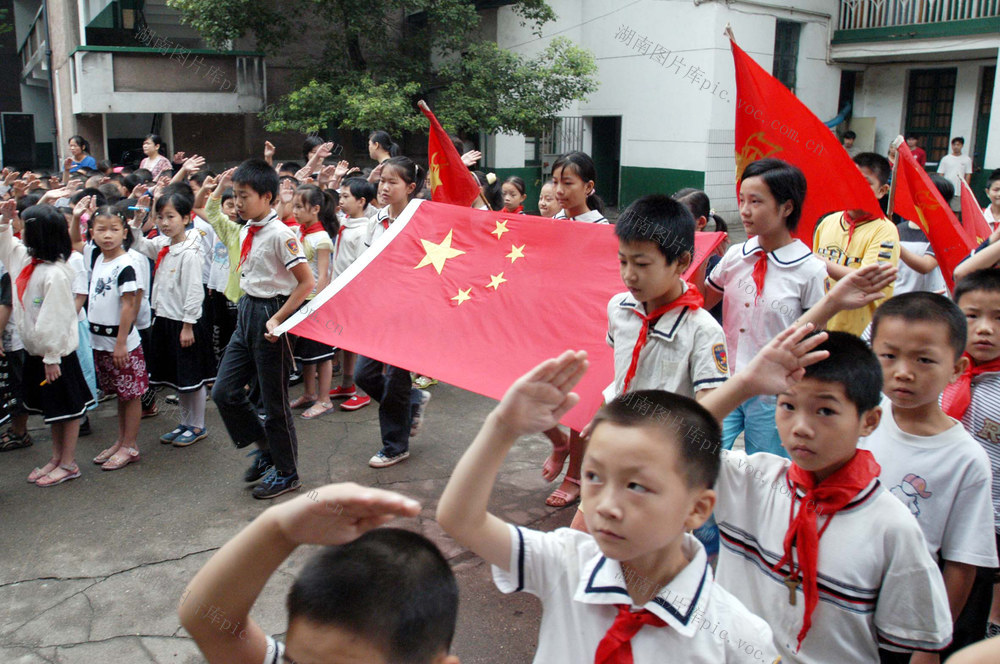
x: 52, y: 94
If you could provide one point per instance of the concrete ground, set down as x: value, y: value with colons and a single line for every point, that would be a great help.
x: 93, y: 569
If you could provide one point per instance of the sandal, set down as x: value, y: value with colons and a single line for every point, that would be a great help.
x: 553, y: 465
x: 71, y: 473
x: 11, y: 441
x: 106, y: 454
x: 131, y: 455
x: 302, y: 402
x: 317, y: 409
x: 39, y: 473
x: 561, y: 498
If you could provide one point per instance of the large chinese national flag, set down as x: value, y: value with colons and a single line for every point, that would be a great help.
x: 917, y: 199
x: 449, y: 178
x: 477, y: 298
x: 772, y: 122
x: 973, y: 220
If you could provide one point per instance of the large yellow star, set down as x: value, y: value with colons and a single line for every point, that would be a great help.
x: 437, y: 254
x: 500, y: 229
x: 463, y: 295
x: 495, y: 281
x: 515, y: 253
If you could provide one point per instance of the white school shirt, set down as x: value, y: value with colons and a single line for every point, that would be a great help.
x: 685, y: 350
x: 592, y: 216
x: 991, y: 221
x: 350, y: 243
x: 109, y: 281
x: 81, y: 284
x: 954, y: 169
x: 377, y: 225
x: 266, y: 273
x: 579, y: 588
x: 144, y: 277
x: 944, y: 480
x: 204, y: 230
x: 793, y: 283
x: 982, y: 420
x: 178, y: 293
x: 909, y: 280
x: 878, y: 585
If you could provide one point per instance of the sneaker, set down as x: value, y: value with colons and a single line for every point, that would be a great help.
x: 85, y: 427
x: 342, y: 392
x: 356, y: 403
x: 172, y: 399
x: 380, y: 460
x: 274, y: 483
x: 190, y: 437
x: 418, y: 413
x: 12, y: 441
x: 294, y: 378
x: 171, y: 436
x: 423, y: 382
x: 261, y: 463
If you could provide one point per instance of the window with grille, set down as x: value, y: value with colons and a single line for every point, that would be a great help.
x: 929, y: 101
x: 786, y: 52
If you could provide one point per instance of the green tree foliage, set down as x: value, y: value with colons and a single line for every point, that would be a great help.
x: 375, y: 58
x: 5, y: 26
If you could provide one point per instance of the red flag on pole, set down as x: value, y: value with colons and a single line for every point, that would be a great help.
x: 772, y: 122
x: 477, y: 298
x: 916, y: 199
x: 449, y: 178
x: 973, y: 220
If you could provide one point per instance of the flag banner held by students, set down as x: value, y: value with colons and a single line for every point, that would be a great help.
x: 450, y: 179
x: 916, y: 199
x: 772, y: 122
x: 973, y: 220
x: 477, y: 298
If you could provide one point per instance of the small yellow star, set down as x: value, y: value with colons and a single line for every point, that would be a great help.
x: 463, y: 295
x: 500, y: 229
x: 515, y: 253
x: 495, y: 281
x: 437, y: 254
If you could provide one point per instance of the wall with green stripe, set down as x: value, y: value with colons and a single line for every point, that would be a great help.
x: 637, y: 181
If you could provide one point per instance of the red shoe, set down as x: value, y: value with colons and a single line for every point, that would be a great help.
x: 355, y: 403
x: 342, y: 392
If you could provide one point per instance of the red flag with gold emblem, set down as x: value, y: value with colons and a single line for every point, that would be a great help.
x: 477, y: 298
x: 973, y: 220
x: 772, y: 122
x: 449, y: 178
x: 917, y: 199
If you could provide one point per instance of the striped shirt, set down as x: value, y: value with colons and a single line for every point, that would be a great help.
x: 982, y: 420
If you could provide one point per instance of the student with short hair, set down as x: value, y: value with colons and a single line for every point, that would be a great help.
x: 374, y: 595
x: 814, y: 544
x: 974, y: 399
x: 276, y: 279
x: 956, y: 167
x: 852, y: 239
x: 637, y: 586
x: 928, y: 460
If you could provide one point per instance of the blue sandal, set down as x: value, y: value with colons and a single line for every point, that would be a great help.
x: 190, y: 437
x: 168, y: 438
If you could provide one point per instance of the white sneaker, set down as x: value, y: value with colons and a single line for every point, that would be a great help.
x: 380, y: 460
x: 418, y: 413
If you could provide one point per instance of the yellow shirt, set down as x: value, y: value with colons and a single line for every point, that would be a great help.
x: 875, y: 241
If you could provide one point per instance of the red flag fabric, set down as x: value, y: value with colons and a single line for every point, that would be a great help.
x: 916, y: 199
x: 973, y: 220
x: 772, y: 122
x: 450, y: 179
x: 477, y: 298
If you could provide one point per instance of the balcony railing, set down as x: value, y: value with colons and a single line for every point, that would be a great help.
x: 862, y: 14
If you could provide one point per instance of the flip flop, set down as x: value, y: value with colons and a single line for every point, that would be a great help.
x: 117, y: 462
x: 72, y: 472
x: 560, y: 498
x: 105, y: 455
x: 317, y: 409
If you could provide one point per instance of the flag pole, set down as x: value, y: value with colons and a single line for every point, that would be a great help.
x: 729, y: 33
x: 896, y: 142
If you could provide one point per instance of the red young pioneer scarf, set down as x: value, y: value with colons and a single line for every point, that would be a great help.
x: 758, y: 274
x: 616, y: 646
x: 958, y: 395
x: 518, y: 210
x: 248, y: 242
x: 159, y: 257
x: 314, y: 228
x: 691, y: 298
x: 826, y: 497
x: 24, y: 277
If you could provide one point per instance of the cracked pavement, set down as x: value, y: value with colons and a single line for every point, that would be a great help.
x: 93, y: 569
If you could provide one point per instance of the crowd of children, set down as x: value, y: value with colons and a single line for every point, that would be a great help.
x: 858, y: 523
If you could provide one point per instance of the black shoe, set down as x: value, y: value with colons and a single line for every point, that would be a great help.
x: 275, y: 483
x: 85, y: 427
x: 261, y: 462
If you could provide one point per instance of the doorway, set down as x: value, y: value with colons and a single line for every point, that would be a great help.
x: 607, y: 155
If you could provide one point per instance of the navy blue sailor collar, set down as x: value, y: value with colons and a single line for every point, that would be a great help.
x: 791, y: 254
x: 681, y: 603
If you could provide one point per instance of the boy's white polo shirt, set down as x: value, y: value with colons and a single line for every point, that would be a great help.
x: 793, y: 283
x: 945, y: 482
x: 685, y: 350
x: 579, y: 588
x: 274, y: 252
